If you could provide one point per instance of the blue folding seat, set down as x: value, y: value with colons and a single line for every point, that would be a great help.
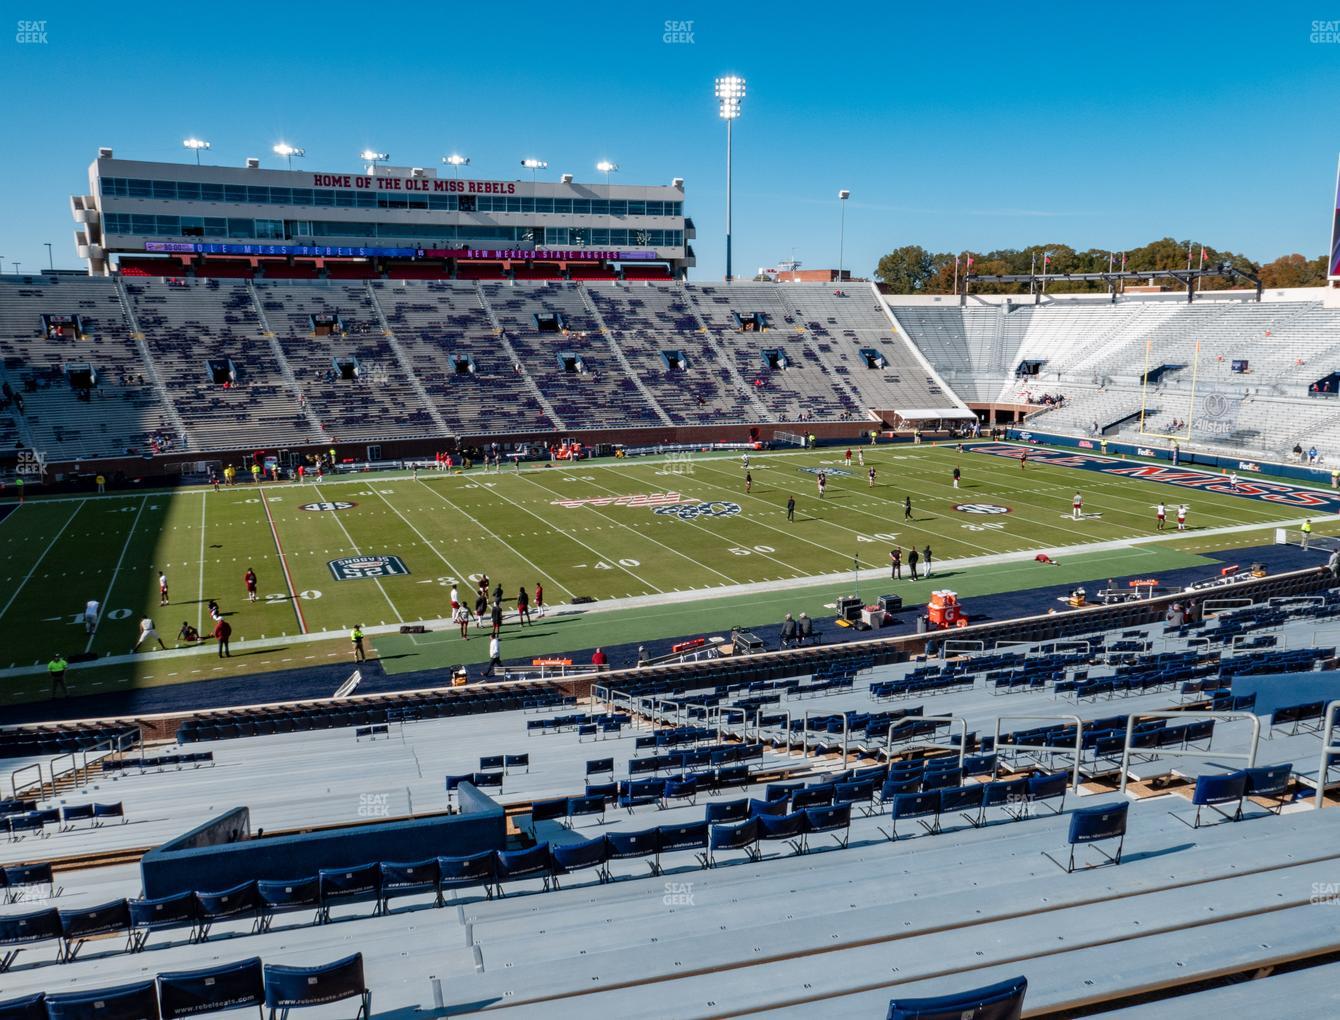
x: 405, y: 878
x: 728, y: 810
x: 71, y: 813
x: 732, y: 775
x: 1096, y: 824
x: 188, y: 993
x: 856, y: 793
x: 1048, y: 787
x: 516, y: 761
x: 478, y: 869
x: 180, y: 910
x: 528, y: 863
x: 1002, y: 1001
x: 126, y: 1002
x: 914, y: 805
x: 490, y: 762
x: 966, y: 800
x: 687, y: 836
x: 627, y: 845
x: 789, y: 827
x: 344, y: 885
x: 1270, y: 782
x: 29, y: 1007
x: 766, y: 807
x: 281, y: 896
x: 101, y: 812
x: 21, y: 876
x: 781, y: 791
x: 893, y: 787
x: 1213, y: 790
x: 241, y: 901
x: 20, y: 930
x: 640, y: 792
x: 1009, y: 794
x: 609, y: 792
x: 599, y: 766
x: 77, y: 926
x: 812, y: 796
x: 295, y: 987
x: 681, y: 789
x: 579, y: 806
x: 549, y: 809
x: 940, y: 778
x: 832, y: 819
x: 487, y: 780
x: 569, y: 857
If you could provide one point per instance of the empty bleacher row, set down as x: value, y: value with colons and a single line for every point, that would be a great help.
x: 1094, y: 354
x: 227, y: 363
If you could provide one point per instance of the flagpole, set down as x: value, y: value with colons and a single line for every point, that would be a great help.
x: 956, y: 258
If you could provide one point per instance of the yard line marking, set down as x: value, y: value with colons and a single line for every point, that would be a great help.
x: 283, y: 563
x: 359, y: 552
x: 200, y: 600
x: 645, y: 538
x: 38, y: 563
x: 540, y: 572
x: 421, y: 535
x: 119, y: 560
x: 574, y: 538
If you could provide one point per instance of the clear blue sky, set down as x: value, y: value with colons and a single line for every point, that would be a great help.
x: 955, y: 126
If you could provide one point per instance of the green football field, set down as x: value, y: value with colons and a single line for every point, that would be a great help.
x: 607, y: 530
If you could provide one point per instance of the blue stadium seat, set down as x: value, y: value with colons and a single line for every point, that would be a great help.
x: 531, y: 862
x: 280, y: 896
x: 628, y: 845
x: 833, y: 819
x: 21, y: 876
x: 180, y: 910
x: 295, y: 987
x: 914, y: 805
x: 467, y: 871
x: 1270, y: 782
x: 20, y: 930
x: 741, y: 836
x: 1048, y: 787
x: 1096, y: 824
x: 77, y: 926
x: 688, y: 836
x: 727, y: 810
x: 1002, y: 1001
x: 186, y: 993
x: 581, y: 806
x: 241, y: 901
x: 347, y: 885
x: 407, y: 878
x: 789, y: 827
x: 126, y: 1002
x: 1213, y: 790
x: 570, y: 857
x: 29, y: 1007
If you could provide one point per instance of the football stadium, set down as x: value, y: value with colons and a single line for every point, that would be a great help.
x: 929, y: 634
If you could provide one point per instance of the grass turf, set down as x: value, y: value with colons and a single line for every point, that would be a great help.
x: 57, y: 553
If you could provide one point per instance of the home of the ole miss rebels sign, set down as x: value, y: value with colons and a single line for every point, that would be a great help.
x: 441, y: 185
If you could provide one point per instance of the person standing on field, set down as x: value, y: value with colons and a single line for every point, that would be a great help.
x: 249, y: 579
x: 356, y: 636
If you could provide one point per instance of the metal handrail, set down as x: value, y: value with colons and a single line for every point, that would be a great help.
x: 758, y: 724
x: 74, y: 767
x: 14, y: 777
x: 1249, y: 757
x: 1213, y: 607
x: 1327, y: 749
x: 805, y: 734
x: 1079, y: 739
x: 951, y: 719
x: 720, y: 710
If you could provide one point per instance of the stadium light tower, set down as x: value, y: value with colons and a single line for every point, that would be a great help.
x: 534, y: 164
x: 843, y: 195
x: 456, y: 161
x: 730, y: 93
x: 607, y: 168
x: 373, y: 158
x: 288, y: 152
x: 197, y: 144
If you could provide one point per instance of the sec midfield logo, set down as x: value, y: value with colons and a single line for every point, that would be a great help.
x: 327, y: 506
x: 354, y: 568
x: 981, y: 508
x: 692, y: 511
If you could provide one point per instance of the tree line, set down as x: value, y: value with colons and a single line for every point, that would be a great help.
x: 912, y: 269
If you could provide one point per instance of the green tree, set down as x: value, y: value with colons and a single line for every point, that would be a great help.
x: 905, y: 270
